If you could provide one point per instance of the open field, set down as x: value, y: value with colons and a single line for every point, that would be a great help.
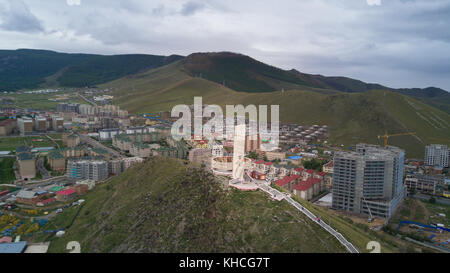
x: 423, y: 212
x: 44, y: 101
x: 11, y: 143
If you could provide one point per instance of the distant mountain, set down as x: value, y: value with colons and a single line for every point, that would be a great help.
x: 240, y: 72
x: 352, y: 117
x: 244, y: 74
x: 27, y: 68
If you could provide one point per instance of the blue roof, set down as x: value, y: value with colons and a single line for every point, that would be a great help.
x: 295, y: 157
x: 13, y: 247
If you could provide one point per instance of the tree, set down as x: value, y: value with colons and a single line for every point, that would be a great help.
x: 313, y: 164
x: 252, y: 155
x: 432, y: 200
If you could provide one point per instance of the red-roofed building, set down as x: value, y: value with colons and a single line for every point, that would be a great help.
x: 288, y: 182
x: 5, y: 239
x: 320, y: 175
x: 46, y: 202
x: 298, y: 171
x: 66, y: 194
x: 304, y: 190
x: 329, y: 167
x: 308, y: 174
x: 261, y: 166
x: 317, y: 185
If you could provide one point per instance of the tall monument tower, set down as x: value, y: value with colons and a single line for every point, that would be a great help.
x: 239, y: 152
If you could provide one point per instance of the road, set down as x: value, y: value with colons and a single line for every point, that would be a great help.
x: 424, y: 197
x: 350, y: 248
x: 40, y: 166
x: 86, y: 99
x: 96, y: 144
x: 54, y: 141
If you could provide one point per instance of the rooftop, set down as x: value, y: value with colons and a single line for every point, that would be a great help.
x: 18, y: 247
x: 55, y: 155
x: 23, y: 149
x: 26, y: 194
x: 66, y: 192
x: 303, y: 186
x: 25, y: 156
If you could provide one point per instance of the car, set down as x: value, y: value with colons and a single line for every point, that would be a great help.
x: 59, y: 211
x: 10, y: 207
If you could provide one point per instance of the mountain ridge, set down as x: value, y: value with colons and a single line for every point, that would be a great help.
x: 28, y: 68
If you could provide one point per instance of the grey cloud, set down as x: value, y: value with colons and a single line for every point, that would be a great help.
x: 402, y: 43
x: 18, y: 17
x: 190, y: 8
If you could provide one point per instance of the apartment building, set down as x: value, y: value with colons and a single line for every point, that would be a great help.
x: 87, y: 169
x: 7, y: 127
x: 27, y: 165
x: 428, y: 184
x: 371, y: 178
x: 437, y: 155
x: 25, y: 126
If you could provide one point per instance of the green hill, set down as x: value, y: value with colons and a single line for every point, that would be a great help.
x: 27, y: 69
x: 242, y: 73
x: 166, y: 206
x: 352, y: 117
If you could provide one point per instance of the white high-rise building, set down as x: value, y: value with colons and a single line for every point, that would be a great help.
x: 436, y: 155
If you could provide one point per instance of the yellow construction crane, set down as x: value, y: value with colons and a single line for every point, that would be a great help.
x: 386, y: 136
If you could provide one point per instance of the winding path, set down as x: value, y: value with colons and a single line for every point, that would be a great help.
x: 279, y: 196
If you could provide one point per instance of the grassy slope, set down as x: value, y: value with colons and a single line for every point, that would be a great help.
x: 353, y: 117
x: 169, y: 207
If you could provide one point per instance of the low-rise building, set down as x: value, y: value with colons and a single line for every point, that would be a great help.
x: 65, y: 195
x: 27, y: 165
x: 304, y: 190
x: 27, y: 197
x: 130, y: 161
x: 74, y: 152
x: 428, y: 184
x: 275, y: 155
x: 288, y: 182
x: 46, y: 202
x: 329, y: 167
x: 7, y: 127
x: 108, y: 134
x: 57, y: 161
x: 71, y: 140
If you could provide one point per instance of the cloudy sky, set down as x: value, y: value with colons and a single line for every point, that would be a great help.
x: 398, y: 43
